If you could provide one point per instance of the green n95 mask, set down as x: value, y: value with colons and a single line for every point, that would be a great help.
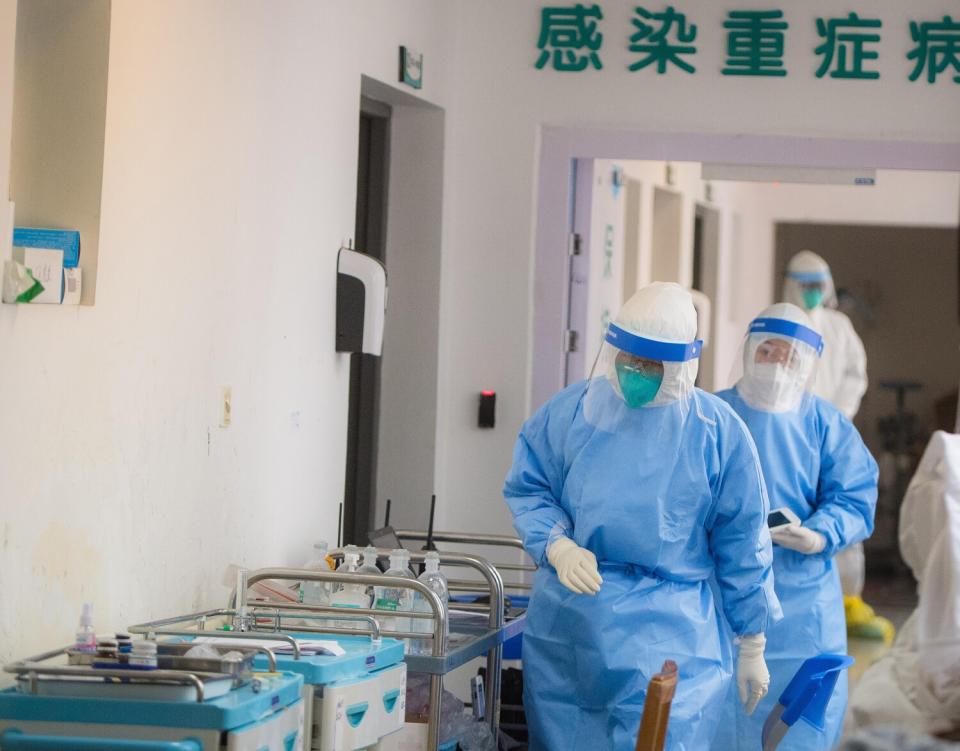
x: 812, y: 297
x: 638, y: 387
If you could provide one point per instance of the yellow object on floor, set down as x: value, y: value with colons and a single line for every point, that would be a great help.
x: 863, y: 623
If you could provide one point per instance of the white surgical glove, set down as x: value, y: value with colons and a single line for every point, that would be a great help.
x: 576, y: 567
x: 801, y: 539
x: 753, y: 678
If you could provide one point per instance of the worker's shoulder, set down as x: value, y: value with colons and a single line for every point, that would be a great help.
x: 822, y: 407
x: 717, y: 406
x: 726, y: 395
x: 563, y: 401
x: 828, y: 417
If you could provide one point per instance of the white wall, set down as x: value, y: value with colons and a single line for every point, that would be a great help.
x: 8, y: 21
x: 229, y: 184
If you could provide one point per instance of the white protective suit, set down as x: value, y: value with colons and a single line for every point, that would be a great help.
x: 842, y: 371
x: 917, y: 685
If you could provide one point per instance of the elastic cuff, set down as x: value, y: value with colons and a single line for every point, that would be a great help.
x: 552, y: 543
x: 832, y: 546
x: 558, y: 531
x: 752, y: 643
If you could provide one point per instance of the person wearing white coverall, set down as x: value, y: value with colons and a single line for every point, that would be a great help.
x: 917, y: 685
x: 631, y: 491
x: 841, y: 373
x: 842, y: 370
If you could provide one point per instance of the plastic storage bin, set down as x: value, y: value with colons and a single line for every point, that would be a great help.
x: 357, y: 713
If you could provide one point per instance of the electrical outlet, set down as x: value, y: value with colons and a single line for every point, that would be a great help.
x: 226, y: 407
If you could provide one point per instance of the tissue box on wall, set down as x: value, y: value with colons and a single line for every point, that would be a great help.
x: 46, y: 265
x: 66, y: 240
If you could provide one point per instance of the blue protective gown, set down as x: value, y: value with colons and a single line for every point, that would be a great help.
x: 669, y: 499
x: 816, y: 464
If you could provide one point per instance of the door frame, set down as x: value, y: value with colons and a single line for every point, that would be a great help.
x: 559, y: 146
x: 360, y: 471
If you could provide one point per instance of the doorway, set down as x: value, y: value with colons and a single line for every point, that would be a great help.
x: 898, y: 286
x: 559, y: 146
x: 370, y: 238
x: 392, y: 416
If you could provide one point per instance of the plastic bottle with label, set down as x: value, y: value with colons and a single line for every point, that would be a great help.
x: 396, y: 599
x: 369, y: 567
x: 350, y: 595
x: 436, y: 580
x: 316, y: 593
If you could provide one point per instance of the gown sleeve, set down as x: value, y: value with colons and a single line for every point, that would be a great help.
x: 847, y: 490
x: 534, y: 484
x: 740, y: 542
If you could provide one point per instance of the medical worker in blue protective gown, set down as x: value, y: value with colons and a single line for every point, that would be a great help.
x: 631, y: 490
x: 815, y: 464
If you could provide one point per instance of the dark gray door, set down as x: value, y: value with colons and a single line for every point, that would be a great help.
x: 370, y: 237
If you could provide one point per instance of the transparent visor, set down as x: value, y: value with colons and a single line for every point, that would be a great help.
x: 776, y: 364
x: 632, y: 374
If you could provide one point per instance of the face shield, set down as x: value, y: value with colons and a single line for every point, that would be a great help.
x: 633, y: 374
x: 777, y: 364
x: 809, y: 283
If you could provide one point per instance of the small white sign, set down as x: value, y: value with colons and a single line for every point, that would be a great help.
x: 411, y: 67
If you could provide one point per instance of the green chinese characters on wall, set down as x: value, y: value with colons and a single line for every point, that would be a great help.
x: 663, y: 40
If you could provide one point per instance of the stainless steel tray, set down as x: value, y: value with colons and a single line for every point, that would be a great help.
x: 171, y: 656
x: 136, y: 687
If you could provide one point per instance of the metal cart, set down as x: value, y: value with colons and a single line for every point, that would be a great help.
x: 465, y: 641
x: 512, y: 719
x: 188, y: 704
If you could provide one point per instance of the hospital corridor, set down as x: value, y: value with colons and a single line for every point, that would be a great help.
x: 479, y: 375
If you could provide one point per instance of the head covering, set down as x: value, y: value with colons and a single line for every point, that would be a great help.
x: 649, y: 358
x: 778, y: 386
x: 660, y: 312
x: 807, y: 267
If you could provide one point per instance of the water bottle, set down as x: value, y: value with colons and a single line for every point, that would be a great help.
x: 369, y: 567
x: 435, y: 579
x: 396, y: 599
x: 311, y: 592
x: 350, y: 595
